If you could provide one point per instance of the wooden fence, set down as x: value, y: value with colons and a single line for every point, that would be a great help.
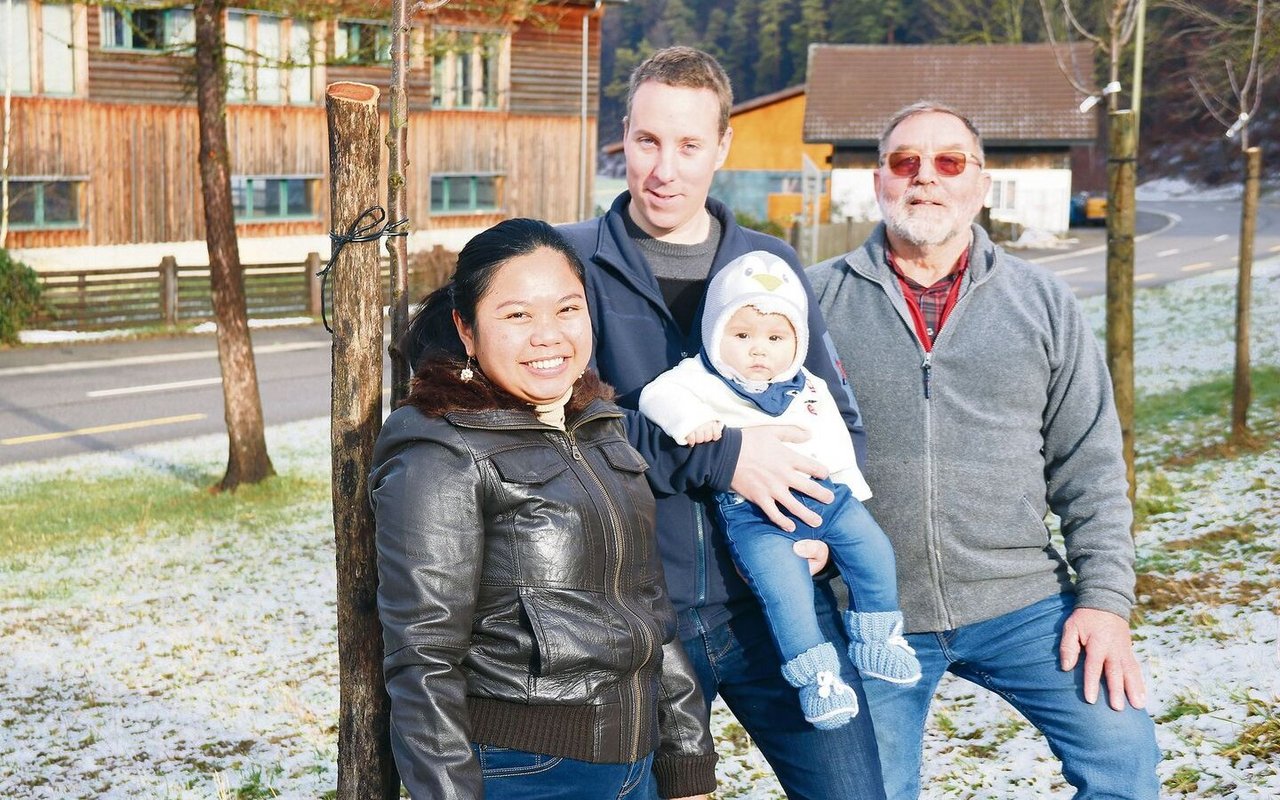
x: 172, y: 294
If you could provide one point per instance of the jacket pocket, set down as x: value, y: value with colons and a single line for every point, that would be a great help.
x: 623, y: 457
x: 534, y: 465
x: 578, y: 637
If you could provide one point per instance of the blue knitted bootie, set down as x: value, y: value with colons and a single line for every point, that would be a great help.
x: 878, y: 649
x: 827, y: 701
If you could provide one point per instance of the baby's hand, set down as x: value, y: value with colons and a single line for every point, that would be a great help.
x: 706, y: 432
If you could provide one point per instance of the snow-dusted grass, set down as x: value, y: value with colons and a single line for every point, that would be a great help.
x: 155, y: 658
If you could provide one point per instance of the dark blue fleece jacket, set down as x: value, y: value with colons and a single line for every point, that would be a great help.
x: 636, y: 339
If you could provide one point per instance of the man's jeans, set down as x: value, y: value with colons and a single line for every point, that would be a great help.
x: 780, y: 578
x: 1104, y: 753
x: 519, y: 775
x: 738, y: 660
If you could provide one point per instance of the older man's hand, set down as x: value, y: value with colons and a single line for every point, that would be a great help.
x: 768, y: 470
x: 1108, y: 652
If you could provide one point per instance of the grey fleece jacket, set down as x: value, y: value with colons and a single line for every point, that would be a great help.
x: 1010, y: 416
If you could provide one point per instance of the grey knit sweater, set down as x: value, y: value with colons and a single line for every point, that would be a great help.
x: 1010, y: 416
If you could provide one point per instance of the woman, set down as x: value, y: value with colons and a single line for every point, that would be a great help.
x: 529, y: 642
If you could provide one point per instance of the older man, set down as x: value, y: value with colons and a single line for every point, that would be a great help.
x: 987, y: 404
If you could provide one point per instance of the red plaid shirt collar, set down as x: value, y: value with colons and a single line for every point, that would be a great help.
x: 930, y: 305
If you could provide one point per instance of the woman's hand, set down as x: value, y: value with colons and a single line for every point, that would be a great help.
x: 706, y: 432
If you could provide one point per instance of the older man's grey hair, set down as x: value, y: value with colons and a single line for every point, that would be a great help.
x: 928, y: 107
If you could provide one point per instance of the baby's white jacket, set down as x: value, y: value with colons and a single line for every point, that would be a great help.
x: 687, y: 395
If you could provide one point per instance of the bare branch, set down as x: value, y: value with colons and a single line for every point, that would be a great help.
x: 1212, y: 103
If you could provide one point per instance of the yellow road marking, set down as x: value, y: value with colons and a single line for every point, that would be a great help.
x: 1196, y: 266
x: 119, y: 426
x: 1146, y: 276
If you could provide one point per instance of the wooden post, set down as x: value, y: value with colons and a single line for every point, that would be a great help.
x: 397, y: 168
x: 315, y: 293
x: 1121, y: 216
x: 1242, y: 391
x: 365, y: 767
x: 169, y: 290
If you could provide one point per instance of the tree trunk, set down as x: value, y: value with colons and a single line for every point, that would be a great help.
x: 1242, y: 391
x: 366, y: 770
x: 247, y: 461
x: 1121, y: 216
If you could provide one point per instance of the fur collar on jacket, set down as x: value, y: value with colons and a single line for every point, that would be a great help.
x: 436, y: 389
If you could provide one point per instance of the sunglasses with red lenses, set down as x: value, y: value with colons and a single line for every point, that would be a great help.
x: 949, y: 163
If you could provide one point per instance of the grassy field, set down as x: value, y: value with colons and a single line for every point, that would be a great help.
x: 161, y: 641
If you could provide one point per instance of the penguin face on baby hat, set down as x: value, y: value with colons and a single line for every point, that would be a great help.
x: 768, y: 283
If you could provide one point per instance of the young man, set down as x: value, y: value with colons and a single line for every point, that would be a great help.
x: 648, y: 261
x: 988, y: 403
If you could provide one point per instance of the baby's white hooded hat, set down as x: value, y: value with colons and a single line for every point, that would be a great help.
x: 768, y: 283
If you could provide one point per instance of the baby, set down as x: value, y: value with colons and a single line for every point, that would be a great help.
x: 750, y: 372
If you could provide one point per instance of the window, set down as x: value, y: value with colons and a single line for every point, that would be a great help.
x: 14, y: 19
x: 40, y: 203
x: 272, y: 197
x: 464, y: 194
x: 269, y: 59
x: 1003, y: 194
x: 155, y: 29
x: 302, y: 56
x: 58, y: 48
x: 467, y: 69
x: 362, y: 43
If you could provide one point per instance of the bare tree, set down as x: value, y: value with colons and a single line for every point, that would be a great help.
x: 247, y: 461
x: 1234, y: 34
x: 1119, y: 18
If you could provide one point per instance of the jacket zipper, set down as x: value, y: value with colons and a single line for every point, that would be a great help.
x: 615, y: 522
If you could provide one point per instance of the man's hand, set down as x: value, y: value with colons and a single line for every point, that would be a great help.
x: 706, y: 432
x: 815, y: 551
x: 768, y: 470
x: 1108, y: 651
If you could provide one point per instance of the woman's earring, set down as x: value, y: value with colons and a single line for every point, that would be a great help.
x: 466, y: 374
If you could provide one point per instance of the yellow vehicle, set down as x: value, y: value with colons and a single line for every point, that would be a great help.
x: 1089, y: 208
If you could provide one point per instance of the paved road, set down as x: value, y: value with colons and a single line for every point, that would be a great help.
x: 59, y: 400
x: 1176, y: 239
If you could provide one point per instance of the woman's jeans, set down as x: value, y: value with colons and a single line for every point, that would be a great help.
x: 520, y: 775
x: 780, y: 578
x: 1104, y: 753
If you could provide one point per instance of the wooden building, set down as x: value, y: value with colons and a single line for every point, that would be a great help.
x: 1016, y: 95
x: 762, y: 174
x: 104, y: 141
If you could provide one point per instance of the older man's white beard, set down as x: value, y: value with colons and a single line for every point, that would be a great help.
x: 924, y: 230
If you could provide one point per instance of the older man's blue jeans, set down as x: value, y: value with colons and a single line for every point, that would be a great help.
x: 739, y: 661
x: 1104, y: 753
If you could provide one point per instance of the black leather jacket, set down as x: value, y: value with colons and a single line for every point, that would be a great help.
x: 522, y: 600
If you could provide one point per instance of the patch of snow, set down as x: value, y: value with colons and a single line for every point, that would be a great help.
x: 1041, y: 239
x: 1181, y: 189
x: 202, y: 663
x: 56, y: 337
x: 274, y: 322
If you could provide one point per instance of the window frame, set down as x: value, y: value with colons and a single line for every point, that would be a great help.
x: 381, y: 43
x: 175, y: 46
x: 471, y: 207
x: 38, y: 223
x: 311, y: 184
x: 487, y: 88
